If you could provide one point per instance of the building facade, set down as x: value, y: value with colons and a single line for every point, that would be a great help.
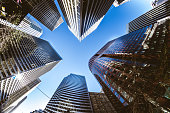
x: 84, y: 16
x: 71, y: 96
x: 23, y: 59
x: 133, y: 69
x: 16, y: 98
x: 27, y: 25
x: 150, y: 17
x: 21, y: 52
x: 13, y: 108
x: 100, y: 103
x: 47, y: 13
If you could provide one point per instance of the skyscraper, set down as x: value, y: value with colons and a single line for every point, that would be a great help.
x: 100, y: 103
x: 84, y: 16
x: 134, y: 69
x: 47, y: 13
x: 71, y: 96
x: 23, y: 59
x: 16, y: 98
x: 21, y: 52
x: 13, y: 108
x: 150, y: 17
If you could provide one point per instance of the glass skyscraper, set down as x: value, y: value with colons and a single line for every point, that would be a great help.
x: 21, y: 52
x: 23, y: 56
x: 47, y: 13
x: 150, y: 17
x: 13, y: 100
x: 133, y: 69
x: 23, y: 59
x: 84, y: 16
x: 71, y: 96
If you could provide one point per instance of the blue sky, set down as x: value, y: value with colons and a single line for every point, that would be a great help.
x: 76, y: 54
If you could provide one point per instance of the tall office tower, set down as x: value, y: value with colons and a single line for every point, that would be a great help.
x: 84, y: 16
x: 13, y: 108
x: 44, y: 11
x: 133, y: 70
x: 47, y: 13
x: 116, y: 3
x: 100, y: 103
x: 27, y: 25
x: 71, y: 96
x: 150, y: 17
x: 20, y: 52
x: 23, y: 58
x: 15, y: 99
